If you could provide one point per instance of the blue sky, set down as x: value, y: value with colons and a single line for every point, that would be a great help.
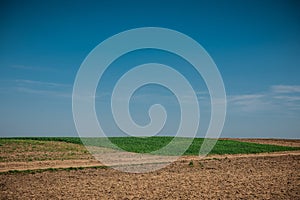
x: 255, y: 44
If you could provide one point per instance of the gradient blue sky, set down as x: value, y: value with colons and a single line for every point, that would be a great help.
x: 255, y: 44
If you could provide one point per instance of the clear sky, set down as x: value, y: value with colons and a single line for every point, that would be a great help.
x: 255, y: 44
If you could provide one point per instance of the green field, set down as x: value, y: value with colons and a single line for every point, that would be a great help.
x: 150, y: 144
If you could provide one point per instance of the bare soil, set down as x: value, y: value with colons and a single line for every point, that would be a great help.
x: 280, y: 142
x: 46, y: 164
x: 263, y: 177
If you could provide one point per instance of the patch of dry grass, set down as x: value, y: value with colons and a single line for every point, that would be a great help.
x: 33, y: 150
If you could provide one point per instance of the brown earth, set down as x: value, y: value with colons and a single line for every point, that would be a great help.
x: 252, y: 176
x: 280, y: 142
x: 46, y: 164
x: 265, y: 177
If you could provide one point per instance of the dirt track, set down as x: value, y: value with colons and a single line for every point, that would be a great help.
x: 33, y: 165
x: 229, y: 178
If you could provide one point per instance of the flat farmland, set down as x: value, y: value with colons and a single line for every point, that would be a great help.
x: 47, y: 169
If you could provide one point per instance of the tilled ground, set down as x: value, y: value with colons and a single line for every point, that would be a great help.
x: 264, y: 177
x: 280, y: 142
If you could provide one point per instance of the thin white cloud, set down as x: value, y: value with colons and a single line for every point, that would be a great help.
x: 40, y: 83
x: 244, y: 98
x: 278, y: 98
x: 288, y: 98
x: 248, y: 102
x: 52, y: 93
x: 32, y: 68
x: 285, y: 88
x: 43, y: 88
